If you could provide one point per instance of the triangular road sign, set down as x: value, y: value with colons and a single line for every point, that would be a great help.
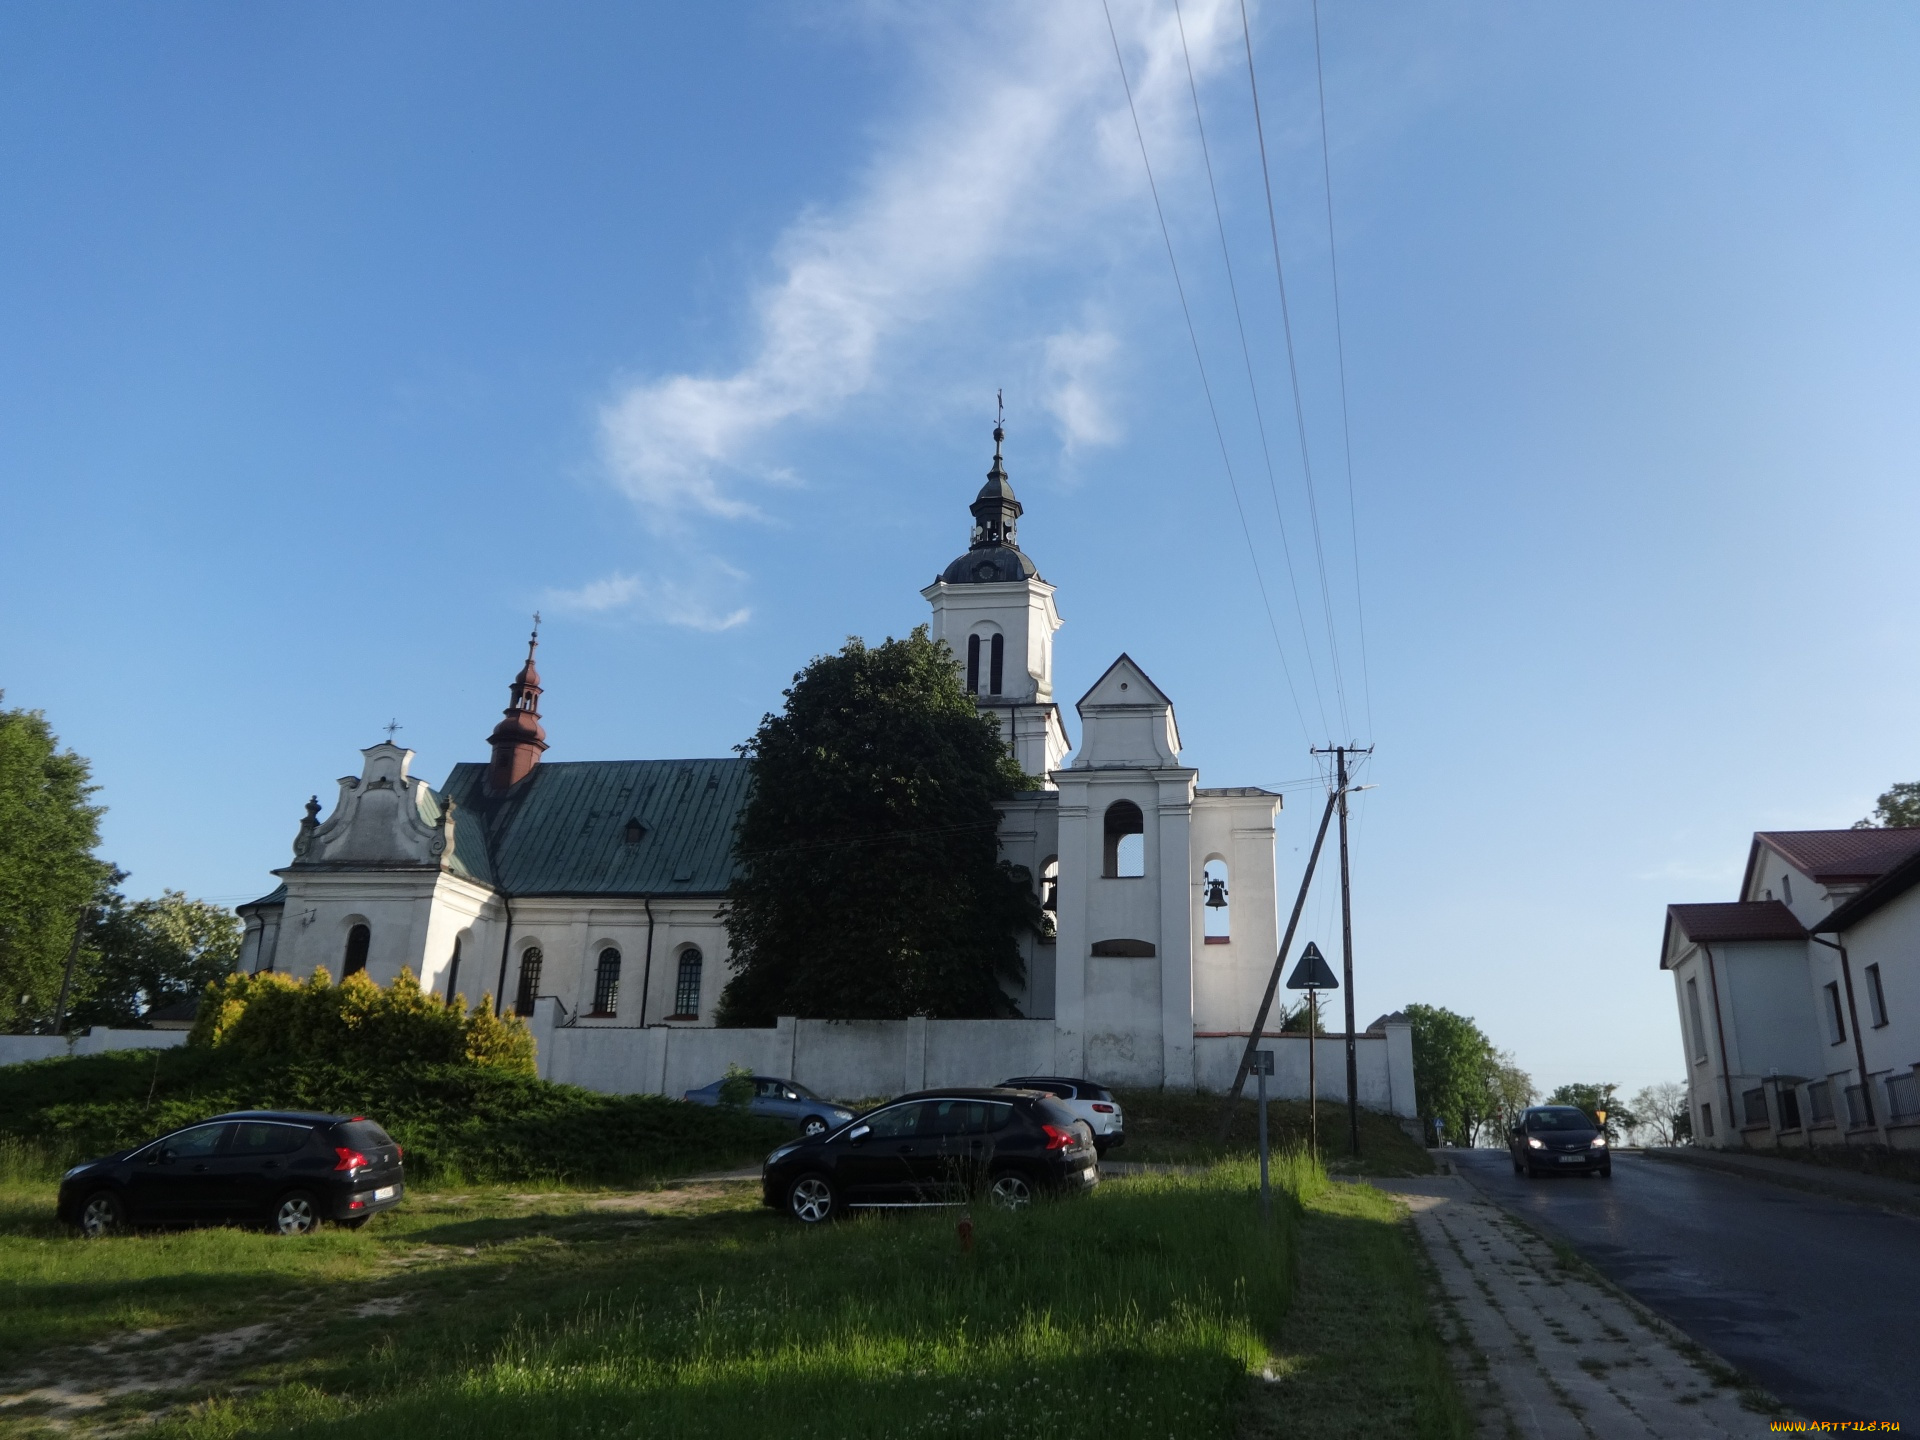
x: 1313, y: 972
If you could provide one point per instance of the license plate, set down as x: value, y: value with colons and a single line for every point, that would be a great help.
x: 1573, y: 1159
x: 385, y: 1192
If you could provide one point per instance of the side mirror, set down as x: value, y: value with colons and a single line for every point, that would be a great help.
x: 858, y: 1133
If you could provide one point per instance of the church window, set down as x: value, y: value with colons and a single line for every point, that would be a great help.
x: 973, y: 664
x: 530, y: 961
x: 1215, y: 902
x: 606, y: 983
x: 996, y: 664
x: 1126, y: 842
x: 359, y: 938
x: 686, y: 990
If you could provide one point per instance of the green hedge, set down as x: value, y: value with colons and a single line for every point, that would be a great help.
x: 458, y: 1121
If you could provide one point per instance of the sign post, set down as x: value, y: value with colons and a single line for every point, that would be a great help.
x: 1312, y: 975
x: 1263, y: 1067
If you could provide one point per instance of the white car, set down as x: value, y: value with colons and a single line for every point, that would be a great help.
x: 1090, y: 1102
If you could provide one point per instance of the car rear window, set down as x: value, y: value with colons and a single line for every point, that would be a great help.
x: 362, y: 1135
x: 1054, y: 1113
x: 1096, y: 1092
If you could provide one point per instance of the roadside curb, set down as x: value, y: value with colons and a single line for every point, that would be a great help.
x: 1875, y: 1191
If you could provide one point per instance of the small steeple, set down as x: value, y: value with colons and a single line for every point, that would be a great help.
x: 518, y: 739
x: 995, y: 510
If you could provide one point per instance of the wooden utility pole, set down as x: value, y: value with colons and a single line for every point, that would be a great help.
x: 66, y: 982
x: 1340, y: 753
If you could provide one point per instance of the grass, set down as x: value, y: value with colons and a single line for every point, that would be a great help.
x: 1151, y: 1308
x: 1168, y: 1127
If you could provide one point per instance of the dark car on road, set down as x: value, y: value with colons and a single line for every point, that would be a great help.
x: 1558, y: 1139
x: 782, y: 1100
x: 937, y: 1147
x: 287, y: 1170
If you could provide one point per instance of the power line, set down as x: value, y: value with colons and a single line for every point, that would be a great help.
x: 1293, y: 371
x: 1193, y: 335
x: 1340, y: 343
x: 1246, y: 355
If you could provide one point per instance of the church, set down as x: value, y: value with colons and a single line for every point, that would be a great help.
x: 589, y: 895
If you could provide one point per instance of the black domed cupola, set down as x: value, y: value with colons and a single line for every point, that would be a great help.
x: 993, y: 554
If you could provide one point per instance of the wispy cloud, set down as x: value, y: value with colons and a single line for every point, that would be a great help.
x: 1020, y: 140
x: 702, y: 604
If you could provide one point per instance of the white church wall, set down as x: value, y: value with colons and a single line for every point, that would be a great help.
x: 1236, y: 828
x: 1383, y: 1065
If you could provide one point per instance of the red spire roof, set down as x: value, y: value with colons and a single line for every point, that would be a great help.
x: 518, y: 740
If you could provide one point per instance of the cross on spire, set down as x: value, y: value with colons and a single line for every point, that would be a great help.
x: 392, y: 727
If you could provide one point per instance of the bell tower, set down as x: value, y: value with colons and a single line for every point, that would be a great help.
x: 518, y: 741
x: 997, y: 616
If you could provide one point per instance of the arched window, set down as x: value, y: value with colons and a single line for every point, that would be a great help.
x: 606, y: 983
x: 996, y: 663
x: 1126, y: 847
x: 1214, y: 903
x: 686, y: 990
x: 1050, y: 884
x: 359, y: 938
x: 529, y: 991
x: 973, y: 664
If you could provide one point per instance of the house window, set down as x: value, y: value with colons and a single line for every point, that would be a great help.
x: 359, y: 938
x: 1820, y: 1102
x: 686, y: 989
x: 1876, y: 997
x: 1789, y: 1101
x: 1836, y: 1017
x: 1215, y: 905
x: 529, y: 981
x: 1754, y: 1103
x: 1706, y: 1121
x: 1126, y: 842
x: 1859, y: 1108
x: 973, y: 664
x: 1699, y: 1030
x: 996, y: 663
x: 1903, y: 1097
x: 1786, y: 889
x: 606, y: 983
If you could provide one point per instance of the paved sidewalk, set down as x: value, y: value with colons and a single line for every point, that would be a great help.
x: 1797, y: 1174
x: 1565, y: 1357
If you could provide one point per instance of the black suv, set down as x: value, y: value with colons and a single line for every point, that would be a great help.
x: 937, y: 1147
x: 285, y: 1169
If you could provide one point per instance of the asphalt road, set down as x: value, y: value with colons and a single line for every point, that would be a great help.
x: 1816, y: 1299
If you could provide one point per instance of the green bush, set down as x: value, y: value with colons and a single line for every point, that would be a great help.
x: 275, y: 1017
x: 459, y: 1121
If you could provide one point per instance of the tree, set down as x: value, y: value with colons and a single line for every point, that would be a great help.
x: 1662, y: 1109
x: 149, y: 953
x: 1452, y: 1059
x: 1897, y: 809
x: 868, y: 883
x: 47, y: 870
x: 1595, y: 1098
x: 1509, y: 1091
x: 1300, y: 1019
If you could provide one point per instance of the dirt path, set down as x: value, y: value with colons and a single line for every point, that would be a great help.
x: 1565, y: 1357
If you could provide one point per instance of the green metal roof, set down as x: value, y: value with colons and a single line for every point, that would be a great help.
x: 563, y: 830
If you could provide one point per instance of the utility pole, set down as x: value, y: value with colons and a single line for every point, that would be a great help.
x: 1340, y: 753
x: 66, y: 983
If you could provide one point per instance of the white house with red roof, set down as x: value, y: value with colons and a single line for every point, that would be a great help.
x: 1800, y: 1001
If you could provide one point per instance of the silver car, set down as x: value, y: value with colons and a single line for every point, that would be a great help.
x: 783, y: 1100
x: 1090, y: 1102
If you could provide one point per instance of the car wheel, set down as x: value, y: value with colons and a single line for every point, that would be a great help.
x: 811, y: 1200
x: 104, y: 1213
x: 813, y: 1125
x: 1606, y: 1172
x: 1101, y: 1145
x: 1518, y: 1168
x: 1010, y: 1190
x: 298, y: 1213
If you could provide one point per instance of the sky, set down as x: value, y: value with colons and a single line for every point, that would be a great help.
x: 335, y: 342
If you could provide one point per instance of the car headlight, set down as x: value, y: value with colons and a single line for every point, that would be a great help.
x: 1533, y: 1144
x: 1599, y: 1142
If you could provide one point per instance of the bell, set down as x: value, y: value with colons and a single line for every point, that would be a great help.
x: 1052, y: 902
x: 1216, y: 895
